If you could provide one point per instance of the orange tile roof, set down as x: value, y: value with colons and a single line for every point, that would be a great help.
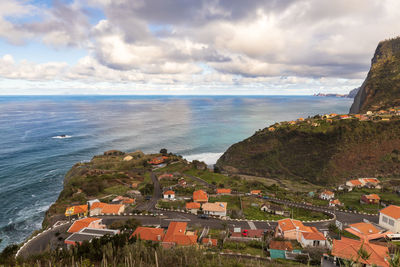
x: 355, y: 182
x: 313, y: 235
x: 291, y: 224
x: 149, y: 233
x: 169, y: 192
x: 281, y: 245
x: 192, y: 205
x: 111, y: 208
x: 335, y: 202
x: 176, y: 234
x: 128, y: 200
x: 372, y: 180
x: 80, y: 224
x: 328, y: 193
x: 213, y: 241
x: 217, y: 206
x: 392, y: 211
x: 223, y: 191
x: 97, y: 205
x: 76, y: 210
x: 373, y: 196
x: 255, y: 192
x: 200, y: 195
x: 347, y: 248
x: 365, y: 228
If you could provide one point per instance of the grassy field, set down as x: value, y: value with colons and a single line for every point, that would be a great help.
x: 167, y: 204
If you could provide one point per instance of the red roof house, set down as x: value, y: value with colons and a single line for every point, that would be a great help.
x: 222, y: 191
x: 149, y: 233
x: 200, y: 196
x: 86, y: 222
x: 370, y: 199
x: 176, y: 234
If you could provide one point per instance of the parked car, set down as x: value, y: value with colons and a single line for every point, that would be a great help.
x: 203, y: 216
x: 265, y: 197
x: 245, y: 232
x: 147, y: 198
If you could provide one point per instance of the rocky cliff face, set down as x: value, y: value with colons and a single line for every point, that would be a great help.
x: 381, y: 88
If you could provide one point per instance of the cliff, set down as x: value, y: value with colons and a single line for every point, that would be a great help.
x: 318, y: 150
x: 381, y: 88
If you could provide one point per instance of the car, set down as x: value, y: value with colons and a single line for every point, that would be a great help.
x: 203, y: 216
x: 245, y: 232
x: 265, y: 197
x: 147, y: 198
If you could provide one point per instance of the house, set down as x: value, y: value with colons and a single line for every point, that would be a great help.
x: 313, y: 238
x: 193, y: 207
x: 275, y: 209
x: 389, y: 218
x: 277, y: 249
x: 123, y: 200
x: 300, y: 119
x: 200, y: 196
x: 327, y: 195
x: 255, y: 192
x: 370, y: 182
x: 335, y: 203
x: 169, y: 194
x: 128, y: 201
x: 89, y: 222
x: 158, y: 160
x: 223, y: 191
x: 211, y: 242
x: 100, y: 208
x: 365, y: 231
x: 348, y: 249
x: 96, y: 208
x: 217, y: 208
x: 149, y: 233
x: 271, y: 129
x: 182, y: 182
x: 88, y: 234
x: 80, y: 210
x: 295, y: 230
x: 177, y: 235
x: 353, y: 183
x: 343, y: 117
x: 370, y: 199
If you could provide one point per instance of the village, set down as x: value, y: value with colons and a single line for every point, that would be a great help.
x: 260, y: 222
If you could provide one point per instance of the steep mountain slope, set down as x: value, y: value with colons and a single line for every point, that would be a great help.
x: 381, y: 88
x: 325, y: 154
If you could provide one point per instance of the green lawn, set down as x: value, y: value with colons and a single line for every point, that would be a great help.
x: 233, y: 201
x: 352, y: 199
x: 169, y: 204
x: 209, y: 177
x: 117, y: 189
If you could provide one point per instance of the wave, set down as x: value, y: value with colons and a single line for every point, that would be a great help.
x: 61, y: 136
x: 208, y: 158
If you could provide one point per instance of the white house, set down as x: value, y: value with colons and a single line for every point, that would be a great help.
x: 169, y: 194
x: 312, y: 239
x: 217, y: 208
x: 327, y: 195
x: 389, y: 218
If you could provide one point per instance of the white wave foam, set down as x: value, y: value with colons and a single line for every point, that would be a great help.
x: 208, y: 158
x: 62, y: 136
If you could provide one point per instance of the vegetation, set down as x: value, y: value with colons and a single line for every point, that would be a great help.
x: 325, y: 154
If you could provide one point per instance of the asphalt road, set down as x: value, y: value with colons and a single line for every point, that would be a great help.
x: 157, y: 194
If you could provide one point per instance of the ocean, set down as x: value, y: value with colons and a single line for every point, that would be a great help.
x: 34, y: 160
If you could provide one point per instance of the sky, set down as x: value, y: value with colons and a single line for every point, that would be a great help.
x: 233, y: 47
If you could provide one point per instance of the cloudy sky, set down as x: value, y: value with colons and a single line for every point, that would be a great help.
x: 190, y: 46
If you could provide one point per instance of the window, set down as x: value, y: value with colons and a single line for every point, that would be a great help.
x: 384, y: 219
x: 391, y: 222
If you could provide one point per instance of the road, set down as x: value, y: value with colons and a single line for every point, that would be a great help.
x: 157, y: 194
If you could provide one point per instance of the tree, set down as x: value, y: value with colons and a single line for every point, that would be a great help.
x: 395, y: 260
x: 164, y: 151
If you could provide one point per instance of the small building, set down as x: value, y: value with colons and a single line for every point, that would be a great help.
x: 389, y: 218
x: 313, y: 239
x: 193, y: 207
x: 348, y: 249
x: 255, y: 192
x: 370, y: 199
x: 343, y: 117
x: 166, y: 176
x: 274, y: 209
x: 370, y: 182
x: 89, y: 222
x: 327, y: 195
x: 278, y: 249
x: 366, y: 231
x: 353, y: 183
x: 217, y: 208
x: 223, y: 191
x: 182, y: 182
x: 100, y: 208
x: 200, y: 196
x: 177, y: 235
x: 79, y: 210
x: 149, y: 233
x: 88, y: 234
x: 335, y: 203
x: 169, y: 194
x: 157, y: 160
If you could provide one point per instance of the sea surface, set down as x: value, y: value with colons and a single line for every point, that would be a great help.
x: 34, y: 159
